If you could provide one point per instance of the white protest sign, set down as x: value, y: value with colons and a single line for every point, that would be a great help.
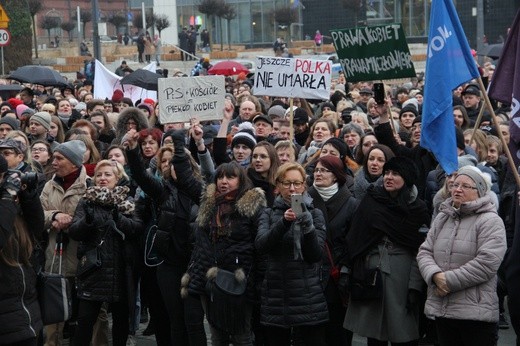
x: 182, y: 98
x: 293, y: 77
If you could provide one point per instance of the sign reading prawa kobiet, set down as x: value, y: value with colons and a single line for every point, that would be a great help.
x: 373, y: 52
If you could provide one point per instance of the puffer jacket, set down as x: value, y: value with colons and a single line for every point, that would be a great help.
x: 108, y: 226
x: 54, y: 199
x: 468, y: 245
x: 292, y: 294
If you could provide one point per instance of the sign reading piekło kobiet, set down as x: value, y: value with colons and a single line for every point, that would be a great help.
x: 373, y: 52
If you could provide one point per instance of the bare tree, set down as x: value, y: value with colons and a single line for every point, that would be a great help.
x: 162, y: 22
x: 117, y: 20
x: 354, y: 6
x: 68, y: 27
x: 212, y: 9
x: 35, y: 7
x: 150, y: 20
x: 229, y: 13
x: 285, y: 15
x: 48, y: 23
x: 85, y: 17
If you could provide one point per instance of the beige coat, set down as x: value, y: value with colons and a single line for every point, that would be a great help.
x: 149, y: 48
x: 468, y: 245
x: 54, y: 199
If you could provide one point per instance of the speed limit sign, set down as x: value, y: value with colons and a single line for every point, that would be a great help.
x: 5, y: 37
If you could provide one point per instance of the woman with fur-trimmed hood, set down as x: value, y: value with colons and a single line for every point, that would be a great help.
x: 226, y: 228
x: 130, y: 118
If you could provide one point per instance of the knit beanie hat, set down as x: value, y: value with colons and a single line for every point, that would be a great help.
x: 14, y: 102
x: 417, y: 120
x: 405, y: 167
x: 146, y: 106
x: 117, y: 96
x: 20, y: 109
x: 276, y: 111
x: 43, y: 118
x: 245, y: 136
x: 14, y: 123
x: 340, y: 146
x: 409, y: 109
x: 478, y: 177
x: 73, y: 150
x: 336, y: 166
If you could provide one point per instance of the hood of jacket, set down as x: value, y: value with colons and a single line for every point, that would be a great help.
x: 246, y: 205
x: 480, y: 205
x: 130, y: 113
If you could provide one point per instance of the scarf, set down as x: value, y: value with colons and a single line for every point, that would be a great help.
x: 221, y: 223
x: 327, y: 192
x: 116, y: 197
x: 67, y: 181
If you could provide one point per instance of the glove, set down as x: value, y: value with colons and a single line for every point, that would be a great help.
x: 305, y: 220
x: 179, y: 141
x: 413, y: 299
x: 12, y: 183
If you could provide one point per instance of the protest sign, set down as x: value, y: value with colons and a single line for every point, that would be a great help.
x: 181, y: 98
x: 293, y: 77
x: 373, y: 52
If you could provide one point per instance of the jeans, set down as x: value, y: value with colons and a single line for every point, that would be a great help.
x: 87, y: 316
x: 452, y: 332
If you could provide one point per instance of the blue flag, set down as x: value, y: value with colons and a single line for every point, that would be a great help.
x: 449, y: 63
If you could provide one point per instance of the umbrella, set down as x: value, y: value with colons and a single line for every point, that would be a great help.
x: 492, y: 50
x: 36, y: 74
x: 142, y: 78
x: 228, y: 68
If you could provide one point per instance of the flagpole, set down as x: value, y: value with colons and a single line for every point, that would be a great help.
x: 477, y: 123
x: 495, y: 121
x: 291, y: 120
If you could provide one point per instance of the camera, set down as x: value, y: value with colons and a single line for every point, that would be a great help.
x: 28, y: 181
x: 346, y: 115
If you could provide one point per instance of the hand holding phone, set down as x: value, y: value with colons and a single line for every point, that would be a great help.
x: 379, y: 93
x: 296, y: 204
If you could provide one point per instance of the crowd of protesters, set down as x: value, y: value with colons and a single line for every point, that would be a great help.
x: 383, y: 243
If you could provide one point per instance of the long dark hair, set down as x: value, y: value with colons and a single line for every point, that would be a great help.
x: 233, y: 169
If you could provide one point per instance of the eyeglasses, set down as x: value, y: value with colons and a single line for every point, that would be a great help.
x: 461, y: 186
x: 41, y: 150
x: 321, y: 170
x: 287, y: 184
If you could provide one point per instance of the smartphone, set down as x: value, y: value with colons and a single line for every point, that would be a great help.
x: 379, y: 93
x: 296, y: 203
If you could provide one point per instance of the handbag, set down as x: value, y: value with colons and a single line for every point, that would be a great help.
x: 89, y: 262
x: 151, y: 254
x: 225, y: 306
x: 54, y: 291
x: 366, y: 284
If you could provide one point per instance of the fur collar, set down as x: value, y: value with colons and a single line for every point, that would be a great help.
x: 247, y: 205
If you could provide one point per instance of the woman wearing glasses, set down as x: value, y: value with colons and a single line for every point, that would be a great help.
x: 292, y: 295
x: 459, y: 262
x: 331, y: 195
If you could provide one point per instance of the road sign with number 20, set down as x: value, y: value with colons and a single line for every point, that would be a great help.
x: 5, y: 37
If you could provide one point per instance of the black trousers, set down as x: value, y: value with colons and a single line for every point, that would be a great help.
x: 186, y: 315
x: 335, y: 334
x: 451, y: 332
x: 87, y: 316
x: 302, y: 336
x: 158, y: 313
x: 374, y: 342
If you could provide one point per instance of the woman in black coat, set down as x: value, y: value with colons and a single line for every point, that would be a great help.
x: 226, y: 231
x: 21, y: 225
x: 331, y: 195
x: 103, y: 221
x: 292, y: 295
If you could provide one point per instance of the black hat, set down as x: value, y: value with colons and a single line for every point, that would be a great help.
x: 417, y: 120
x: 264, y: 118
x: 340, y: 146
x: 210, y: 132
x: 490, y: 130
x: 300, y: 116
x: 328, y: 104
x: 409, y: 109
x: 244, y: 136
x: 471, y: 89
x: 405, y: 167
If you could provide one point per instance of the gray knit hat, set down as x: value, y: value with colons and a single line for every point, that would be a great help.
x: 72, y: 150
x: 477, y: 176
x: 14, y: 123
x: 43, y: 118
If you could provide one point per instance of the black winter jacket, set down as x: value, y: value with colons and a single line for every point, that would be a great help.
x: 174, y: 212
x: 114, y: 230
x: 292, y: 293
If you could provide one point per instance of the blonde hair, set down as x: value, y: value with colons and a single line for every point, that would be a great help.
x: 289, y: 166
x: 117, y: 168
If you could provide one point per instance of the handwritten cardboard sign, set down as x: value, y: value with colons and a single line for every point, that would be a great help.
x: 182, y: 98
x: 373, y: 52
x: 293, y: 77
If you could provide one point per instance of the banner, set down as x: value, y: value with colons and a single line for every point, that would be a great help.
x: 182, y: 98
x: 293, y: 77
x: 373, y: 52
